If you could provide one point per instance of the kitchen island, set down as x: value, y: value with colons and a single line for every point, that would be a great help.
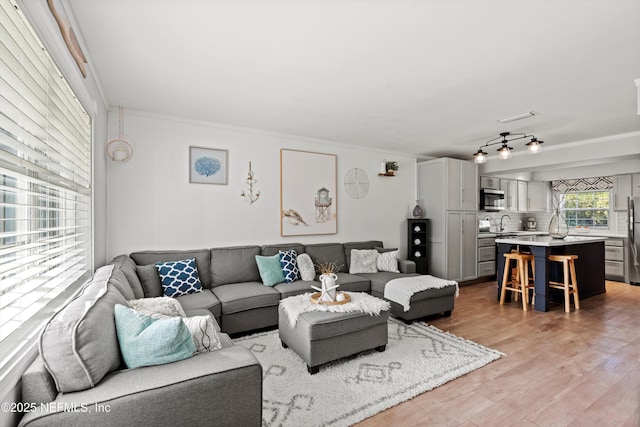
x: 589, y: 265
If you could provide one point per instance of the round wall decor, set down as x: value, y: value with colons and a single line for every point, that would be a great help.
x: 356, y: 182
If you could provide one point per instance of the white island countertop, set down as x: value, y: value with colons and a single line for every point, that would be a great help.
x: 548, y: 240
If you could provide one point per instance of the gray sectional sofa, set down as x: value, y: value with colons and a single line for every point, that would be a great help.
x: 79, y: 378
x: 235, y: 296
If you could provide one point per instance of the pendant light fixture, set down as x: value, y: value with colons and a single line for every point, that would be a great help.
x: 504, y: 152
x: 534, y: 145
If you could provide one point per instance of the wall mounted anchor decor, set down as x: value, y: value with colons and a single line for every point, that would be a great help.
x: 248, y: 194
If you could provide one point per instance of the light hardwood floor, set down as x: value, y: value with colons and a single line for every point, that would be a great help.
x: 561, y: 369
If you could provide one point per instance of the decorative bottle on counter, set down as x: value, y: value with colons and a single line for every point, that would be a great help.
x: 417, y: 211
x: 558, y: 228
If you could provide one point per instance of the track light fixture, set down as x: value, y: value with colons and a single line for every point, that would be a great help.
x: 504, y: 152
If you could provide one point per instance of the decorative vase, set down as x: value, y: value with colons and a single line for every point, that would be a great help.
x: 558, y: 228
x: 328, y: 287
x: 417, y: 211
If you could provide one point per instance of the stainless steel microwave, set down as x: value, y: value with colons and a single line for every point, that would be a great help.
x: 491, y: 200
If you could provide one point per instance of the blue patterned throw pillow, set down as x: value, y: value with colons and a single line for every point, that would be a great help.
x: 179, y: 277
x: 289, y: 264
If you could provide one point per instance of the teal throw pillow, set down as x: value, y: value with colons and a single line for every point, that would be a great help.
x: 270, y: 269
x: 145, y: 341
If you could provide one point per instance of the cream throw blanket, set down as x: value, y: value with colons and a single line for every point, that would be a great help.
x: 400, y: 290
x: 295, y: 306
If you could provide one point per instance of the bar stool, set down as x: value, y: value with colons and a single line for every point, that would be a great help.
x: 520, y: 282
x: 569, y: 287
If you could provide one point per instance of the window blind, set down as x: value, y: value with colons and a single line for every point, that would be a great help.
x: 45, y: 178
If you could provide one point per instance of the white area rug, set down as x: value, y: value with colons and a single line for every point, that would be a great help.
x: 418, y: 358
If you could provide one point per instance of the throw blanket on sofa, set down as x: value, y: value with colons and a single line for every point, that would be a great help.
x: 296, y: 305
x: 401, y: 290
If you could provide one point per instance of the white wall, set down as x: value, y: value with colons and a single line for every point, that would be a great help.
x: 152, y: 205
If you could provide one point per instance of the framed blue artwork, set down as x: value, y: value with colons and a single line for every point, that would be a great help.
x: 208, y: 165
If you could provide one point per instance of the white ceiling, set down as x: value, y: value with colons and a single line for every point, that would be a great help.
x: 421, y: 77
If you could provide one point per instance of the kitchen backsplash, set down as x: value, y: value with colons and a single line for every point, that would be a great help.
x: 623, y: 219
x: 516, y: 221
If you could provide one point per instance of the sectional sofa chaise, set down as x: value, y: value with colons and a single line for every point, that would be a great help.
x: 74, y: 381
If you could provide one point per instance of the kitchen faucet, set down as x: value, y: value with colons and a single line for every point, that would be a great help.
x: 502, y: 218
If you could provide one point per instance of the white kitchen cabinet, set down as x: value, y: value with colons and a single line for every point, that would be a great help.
x: 538, y: 196
x: 450, y: 188
x: 462, y: 241
x: 523, y: 196
x: 614, y: 262
x: 621, y: 191
x: 486, y: 256
x: 635, y: 185
x: 490, y: 182
x: 461, y: 185
x: 510, y: 188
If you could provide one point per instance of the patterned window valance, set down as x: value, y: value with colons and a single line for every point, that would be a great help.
x: 599, y: 183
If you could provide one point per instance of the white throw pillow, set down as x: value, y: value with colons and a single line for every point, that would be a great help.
x: 203, y: 329
x: 306, y: 267
x: 161, y: 305
x: 203, y: 332
x: 363, y: 261
x: 388, y: 261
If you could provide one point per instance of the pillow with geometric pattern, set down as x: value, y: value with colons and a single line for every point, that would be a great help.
x: 388, y: 261
x: 289, y: 264
x: 179, y: 277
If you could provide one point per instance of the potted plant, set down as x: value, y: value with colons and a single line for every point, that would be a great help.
x: 392, y: 167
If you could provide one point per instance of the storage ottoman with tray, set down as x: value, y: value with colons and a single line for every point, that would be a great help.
x: 319, y: 337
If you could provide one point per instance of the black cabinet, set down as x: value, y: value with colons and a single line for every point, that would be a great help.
x: 417, y: 232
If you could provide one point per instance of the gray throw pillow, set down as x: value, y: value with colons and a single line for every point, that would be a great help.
x: 150, y: 280
x: 363, y: 261
x: 306, y: 267
x: 79, y: 345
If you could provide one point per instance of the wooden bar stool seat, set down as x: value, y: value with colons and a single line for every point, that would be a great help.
x: 568, y: 286
x: 519, y: 281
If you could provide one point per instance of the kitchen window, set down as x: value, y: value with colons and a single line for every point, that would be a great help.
x: 45, y: 186
x: 586, y: 208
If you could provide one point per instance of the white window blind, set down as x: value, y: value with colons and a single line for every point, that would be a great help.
x: 45, y: 179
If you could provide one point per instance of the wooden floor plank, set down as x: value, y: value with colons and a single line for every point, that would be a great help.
x: 561, y: 369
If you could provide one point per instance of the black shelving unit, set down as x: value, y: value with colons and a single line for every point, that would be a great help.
x: 417, y: 233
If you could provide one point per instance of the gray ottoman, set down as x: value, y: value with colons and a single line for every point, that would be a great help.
x: 321, y: 337
x: 426, y: 303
